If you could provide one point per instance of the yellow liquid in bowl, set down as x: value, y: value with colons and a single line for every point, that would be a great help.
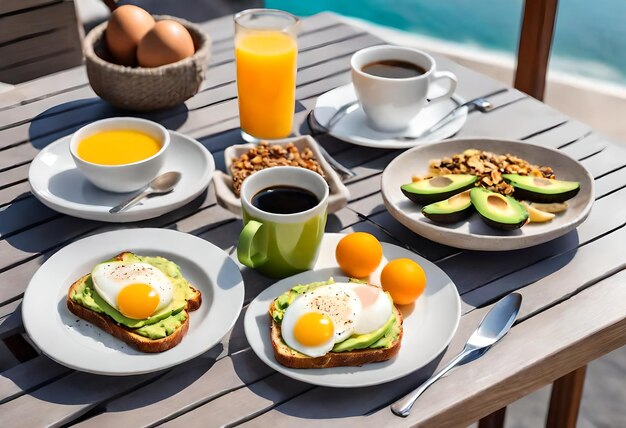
x: 118, y: 147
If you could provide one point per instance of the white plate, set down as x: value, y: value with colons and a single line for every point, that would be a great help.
x: 78, y: 344
x: 429, y: 324
x: 353, y: 127
x: 56, y: 182
x: 474, y: 234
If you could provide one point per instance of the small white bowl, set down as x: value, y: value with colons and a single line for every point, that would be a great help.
x: 127, y: 177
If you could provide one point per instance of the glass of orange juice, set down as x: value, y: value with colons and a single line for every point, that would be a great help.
x: 266, y: 51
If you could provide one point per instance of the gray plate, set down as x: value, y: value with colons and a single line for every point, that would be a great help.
x: 474, y: 234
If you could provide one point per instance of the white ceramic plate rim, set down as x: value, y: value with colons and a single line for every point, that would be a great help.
x: 390, y: 142
x: 460, y: 239
x: 136, y: 213
x: 43, y: 306
x: 258, y: 335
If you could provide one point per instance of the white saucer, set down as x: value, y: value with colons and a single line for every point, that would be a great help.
x: 353, y: 127
x: 429, y: 324
x: 56, y: 182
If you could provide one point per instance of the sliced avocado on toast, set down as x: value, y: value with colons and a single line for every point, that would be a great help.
x: 540, y: 189
x: 438, y: 188
x: 161, y: 331
x: 451, y: 210
x: 282, y: 302
x: 498, y: 211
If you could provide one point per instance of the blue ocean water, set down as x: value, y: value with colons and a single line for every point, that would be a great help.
x: 589, y: 41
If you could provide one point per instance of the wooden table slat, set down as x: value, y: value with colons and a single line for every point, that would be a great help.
x: 251, y: 401
x: 506, y: 123
x: 27, y: 376
x: 180, y: 390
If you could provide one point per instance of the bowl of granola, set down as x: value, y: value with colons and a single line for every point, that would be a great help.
x: 469, y: 172
x: 243, y: 160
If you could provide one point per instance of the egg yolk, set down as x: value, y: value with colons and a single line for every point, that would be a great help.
x: 137, y: 301
x: 313, y: 329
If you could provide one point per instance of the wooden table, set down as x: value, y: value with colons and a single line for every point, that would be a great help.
x: 574, y: 307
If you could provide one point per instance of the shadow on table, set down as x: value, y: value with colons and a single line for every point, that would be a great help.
x: 53, y: 230
x: 152, y: 387
x: 316, y: 402
x: 66, y: 118
x: 540, y: 261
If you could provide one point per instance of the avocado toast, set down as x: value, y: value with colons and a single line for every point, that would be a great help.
x: 357, y: 350
x: 157, y: 333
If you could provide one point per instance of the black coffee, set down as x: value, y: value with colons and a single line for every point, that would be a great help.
x: 284, y: 200
x: 393, y: 69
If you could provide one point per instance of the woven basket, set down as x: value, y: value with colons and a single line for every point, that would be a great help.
x: 145, y: 89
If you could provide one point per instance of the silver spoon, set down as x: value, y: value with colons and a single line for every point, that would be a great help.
x: 492, y: 328
x: 481, y: 104
x: 164, y: 183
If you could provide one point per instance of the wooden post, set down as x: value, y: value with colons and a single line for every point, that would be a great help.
x: 534, y: 46
x: 494, y: 420
x: 565, y: 399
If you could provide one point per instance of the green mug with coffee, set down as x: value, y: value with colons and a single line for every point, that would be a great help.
x: 284, y: 214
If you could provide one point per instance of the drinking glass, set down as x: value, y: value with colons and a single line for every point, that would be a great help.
x: 266, y: 52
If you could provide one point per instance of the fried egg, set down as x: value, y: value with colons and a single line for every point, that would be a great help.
x: 318, y: 319
x: 136, y: 290
x: 376, y: 308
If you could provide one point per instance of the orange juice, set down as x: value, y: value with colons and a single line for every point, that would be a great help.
x: 266, y: 82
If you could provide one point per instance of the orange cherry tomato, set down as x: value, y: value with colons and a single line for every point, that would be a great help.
x: 404, y: 279
x: 359, y: 254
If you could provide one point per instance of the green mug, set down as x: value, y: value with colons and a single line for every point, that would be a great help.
x: 280, y: 245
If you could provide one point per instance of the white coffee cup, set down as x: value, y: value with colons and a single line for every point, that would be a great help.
x: 391, y: 103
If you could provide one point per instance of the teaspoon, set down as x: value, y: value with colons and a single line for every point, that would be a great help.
x: 164, y: 183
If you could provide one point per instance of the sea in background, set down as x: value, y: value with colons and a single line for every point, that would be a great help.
x: 589, y: 41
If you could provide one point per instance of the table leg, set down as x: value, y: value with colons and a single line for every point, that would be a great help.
x: 565, y: 399
x: 494, y: 420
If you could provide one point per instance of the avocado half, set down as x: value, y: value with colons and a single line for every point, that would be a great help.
x: 438, y: 188
x: 498, y: 211
x: 453, y: 209
x: 540, y: 189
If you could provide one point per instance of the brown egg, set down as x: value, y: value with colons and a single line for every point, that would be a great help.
x: 167, y: 42
x: 127, y: 25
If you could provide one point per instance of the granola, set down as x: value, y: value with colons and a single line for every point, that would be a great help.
x: 265, y: 155
x: 489, y: 168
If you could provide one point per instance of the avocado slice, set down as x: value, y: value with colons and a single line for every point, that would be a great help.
x: 438, y: 188
x: 362, y: 341
x: 498, y: 211
x: 540, y: 189
x: 453, y: 209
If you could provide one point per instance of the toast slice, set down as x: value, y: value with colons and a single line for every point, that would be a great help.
x: 137, y: 341
x: 291, y: 358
